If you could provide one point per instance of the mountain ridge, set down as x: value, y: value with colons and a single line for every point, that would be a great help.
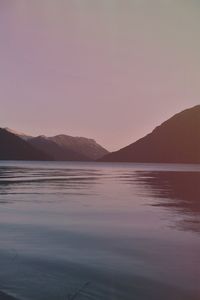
x: 58, y: 152
x: 14, y: 148
x: 63, y: 147
x: 177, y: 140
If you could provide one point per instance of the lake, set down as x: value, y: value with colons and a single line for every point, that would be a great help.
x: 99, y: 231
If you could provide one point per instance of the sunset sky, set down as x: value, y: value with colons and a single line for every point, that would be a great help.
x: 107, y: 69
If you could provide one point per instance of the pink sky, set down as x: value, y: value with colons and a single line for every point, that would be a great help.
x: 110, y: 69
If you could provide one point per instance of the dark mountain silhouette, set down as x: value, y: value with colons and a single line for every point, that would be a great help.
x: 83, y: 146
x: 64, y: 147
x: 58, y: 152
x: 175, y: 141
x: 13, y: 147
x: 20, y: 134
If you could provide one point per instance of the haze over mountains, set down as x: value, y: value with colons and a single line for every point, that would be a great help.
x: 59, y: 148
x: 175, y: 141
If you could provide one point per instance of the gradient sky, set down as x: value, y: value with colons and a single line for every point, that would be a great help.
x: 107, y: 69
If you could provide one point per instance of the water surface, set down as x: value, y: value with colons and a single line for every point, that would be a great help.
x: 120, y: 231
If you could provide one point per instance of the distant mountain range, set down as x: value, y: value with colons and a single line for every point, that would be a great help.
x: 19, y: 146
x: 175, y: 141
x: 13, y: 147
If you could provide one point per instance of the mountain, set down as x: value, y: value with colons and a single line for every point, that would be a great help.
x: 58, y: 152
x: 13, y: 147
x: 20, y: 134
x: 175, y: 141
x: 83, y: 146
x: 64, y: 147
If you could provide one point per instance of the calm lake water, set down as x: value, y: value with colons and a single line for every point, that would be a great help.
x: 114, y: 231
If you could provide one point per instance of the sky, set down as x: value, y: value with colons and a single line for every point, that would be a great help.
x: 111, y: 70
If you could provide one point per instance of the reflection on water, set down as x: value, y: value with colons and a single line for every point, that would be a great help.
x: 178, y: 191
x: 130, y: 231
